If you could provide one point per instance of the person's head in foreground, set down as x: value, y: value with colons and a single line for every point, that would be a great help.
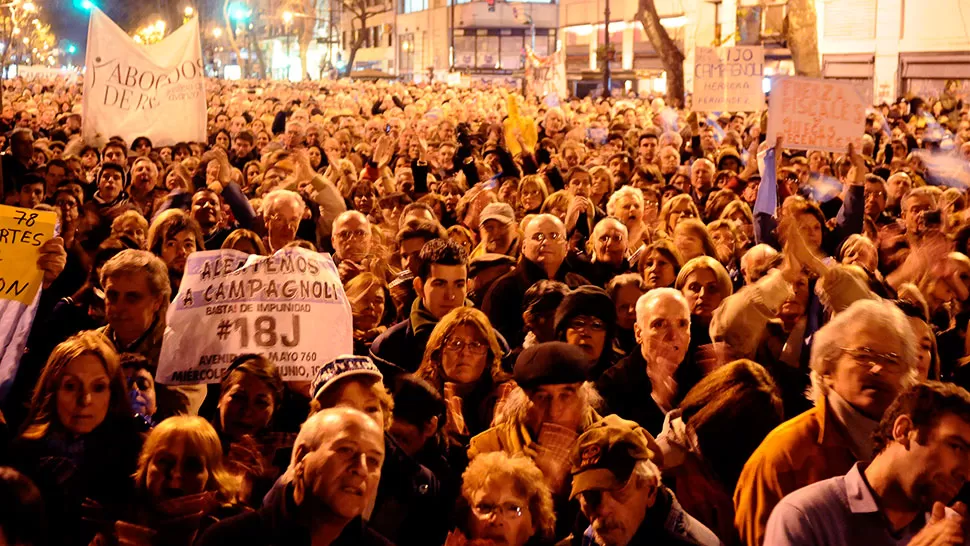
x: 505, y: 501
x: 354, y: 382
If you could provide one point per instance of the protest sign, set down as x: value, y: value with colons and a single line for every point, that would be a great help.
x: 289, y: 307
x: 22, y: 231
x: 728, y: 79
x: 133, y: 90
x: 814, y: 114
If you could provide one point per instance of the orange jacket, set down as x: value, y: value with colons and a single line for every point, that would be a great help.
x: 801, y: 451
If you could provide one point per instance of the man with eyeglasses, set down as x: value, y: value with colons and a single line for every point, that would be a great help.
x: 860, y: 361
x: 875, y: 192
x: 921, y: 464
x: 616, y: 478
x: 608, y: 258
x: 543, y: 257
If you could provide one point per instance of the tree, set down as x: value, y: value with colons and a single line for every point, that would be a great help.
x: 802, y: 36
x: 303, y: 21
x: 361, y: 11
x: 670, y: 55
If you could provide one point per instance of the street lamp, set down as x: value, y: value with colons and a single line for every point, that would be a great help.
x: 217, y: 32
x: 287, y: 17
x: 30, y: 7
x: 189, y: 11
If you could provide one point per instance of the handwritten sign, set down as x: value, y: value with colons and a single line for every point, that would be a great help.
x: 22, y: 231
x: 814, y: 114
x: 289, y: 307
x: 728, y: 79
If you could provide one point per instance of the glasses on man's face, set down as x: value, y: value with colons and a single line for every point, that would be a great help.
x: 867, y: 358
x: 508, y: 510
x: 350, y: 235
x: 458, y: 345
x: 280, y: 219
x: 608, y: 238
x: 542, y: 237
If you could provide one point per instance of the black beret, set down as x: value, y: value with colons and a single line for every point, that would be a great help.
x: 550, y: 363
x: 591, y: 301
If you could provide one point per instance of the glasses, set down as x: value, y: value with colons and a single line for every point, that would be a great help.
x: 607, y: 238
x: 474, y: 347
x: 66, y: 204
x: 508, y: 510
x: 349, y: 235
x: 278, y: 219
x: 541, y: 237
x: 867, y: 358
x: 590, y: 325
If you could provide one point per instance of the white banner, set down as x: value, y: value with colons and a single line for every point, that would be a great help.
x: 133, y: 90
x: 728, y: 79
x: 814, y: 114
x: 289, y: 307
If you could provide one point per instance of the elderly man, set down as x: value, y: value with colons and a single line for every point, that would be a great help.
x: 919, y: 467
x: 644, y: 386
x: 543, y: 257
x: 353, y: 246
x: 615, y: 477
x: 701, y: 181
x: 496, y: 228
x: 282, y: 212
x: 143, y: 192
x: 332, y: 480
x: 136, y: 297
x: 608, y: 258
x: 860, y: 360
x: 757, y: 261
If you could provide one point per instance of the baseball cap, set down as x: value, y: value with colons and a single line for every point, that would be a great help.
x: 339, y: 368
x: 497, y: 211
x: 605, y: 455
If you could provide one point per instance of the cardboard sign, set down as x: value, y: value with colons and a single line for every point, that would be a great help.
x: 22, y: 231
x: 728, y: 79
x: 814, y: 114
x: 133, y: 90
x: 289, y: 307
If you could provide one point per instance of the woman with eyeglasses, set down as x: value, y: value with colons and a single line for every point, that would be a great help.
x: 504, y: 500
x: 463, y: 361
x: 586, y: 318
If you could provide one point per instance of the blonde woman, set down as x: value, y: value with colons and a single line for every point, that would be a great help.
x: 372, y: 307
x: 504, y: 500
x: 533, y: 192
x: 602, y: 186
x: 463, y: 361
x: 705, y: 283
x: 674, y: 210
x: 79, y: 440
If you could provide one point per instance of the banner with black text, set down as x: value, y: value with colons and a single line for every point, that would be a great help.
x: 289, y: 307
x: 133, y: 90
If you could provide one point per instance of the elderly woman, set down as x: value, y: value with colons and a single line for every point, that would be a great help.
x: 172, y: 236
x: 79, y: 440
x: 408, y: 495
x: 463, y: 361
x: 727, y: 245
x: 181, y: 486
x: 705, y: 283
x: 132, y: 225
x: 586, y: 318
x: 659, y: 264
x: 703, y: 449
x: 372, y: 307
x: 740, y: 213
x: 503, y: 501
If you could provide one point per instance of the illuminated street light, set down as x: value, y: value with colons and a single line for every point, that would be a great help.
x: 216, y: 32
x: 287, y: 17
x: 30, y: 7
x: 189, y: 11
x: 16, y: 31
x: 26, y: 40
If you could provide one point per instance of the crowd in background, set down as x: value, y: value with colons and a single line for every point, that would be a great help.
x: 576, y: 321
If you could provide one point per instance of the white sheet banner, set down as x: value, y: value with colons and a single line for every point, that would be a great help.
x: 728, y: 79
x: 814, y: 114
x: 133, y: 90
x: 289, y: 307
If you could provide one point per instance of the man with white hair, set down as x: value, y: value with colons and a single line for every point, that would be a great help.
x: 644, y: 386
x: 352, y: 245
x: 702, y: 180
x: 331, y: 481
x: 757, y: 261
x: 282, y: 211
x: 860, y: 360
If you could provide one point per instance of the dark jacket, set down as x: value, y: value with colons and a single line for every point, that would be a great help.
x: 598, y: 273
x: 409, y: 502
x: 503, y: 301
x: 626, y: 390
x: 275, y: 524
x: 401, y: 348
x: 98, y: 465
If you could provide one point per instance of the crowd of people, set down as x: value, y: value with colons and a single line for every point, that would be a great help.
x: 575, y: 321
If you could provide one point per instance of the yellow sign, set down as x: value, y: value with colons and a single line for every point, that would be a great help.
x: 517, y: 126
x: 22, y: 231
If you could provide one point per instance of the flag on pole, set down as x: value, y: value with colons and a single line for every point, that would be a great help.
x: 133, y: 90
